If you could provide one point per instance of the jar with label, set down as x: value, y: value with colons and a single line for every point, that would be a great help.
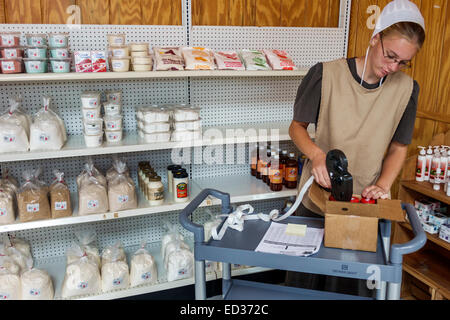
x: 180, y: 186
x: 155, y: 191
x: 170, y: 170
x: 291, y: 172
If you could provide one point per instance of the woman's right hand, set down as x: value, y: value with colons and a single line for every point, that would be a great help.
x: 319, y: 170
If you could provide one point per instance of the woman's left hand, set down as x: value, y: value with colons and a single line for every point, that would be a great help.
x: 375, y: 192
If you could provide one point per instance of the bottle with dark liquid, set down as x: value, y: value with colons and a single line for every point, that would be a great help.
x: 291, y: 172
x: 265, y: 170
x: 261, y: 151
x: 283, y: 159
x: 254, y: 160
x: 276, y: 178
x: 272, y: 155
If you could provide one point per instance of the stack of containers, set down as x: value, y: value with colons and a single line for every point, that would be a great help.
x: 186, y: 123
x: 36, y: 63
x: 119, y: 53
x: 92, y: 120
x: 11, y: 60
x: 141, y: 60
x: 154, y: 123
x: 113, y: 116
x: 59, y: 52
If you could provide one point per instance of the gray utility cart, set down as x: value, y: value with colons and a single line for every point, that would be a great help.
x: 239, y: 248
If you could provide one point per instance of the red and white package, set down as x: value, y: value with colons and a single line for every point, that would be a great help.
x: 228, y: 60
x: 83, y: 61
x: 168, y: 58
x: 99, y: 61
x: 279, y: 60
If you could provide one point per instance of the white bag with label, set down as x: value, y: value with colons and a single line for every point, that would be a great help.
x: 143, y: 268
x: 37, y: 285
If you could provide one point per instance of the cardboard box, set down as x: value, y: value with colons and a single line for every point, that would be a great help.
x: 354, y: 225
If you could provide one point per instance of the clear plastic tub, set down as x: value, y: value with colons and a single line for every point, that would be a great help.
x: 58, y: 40
x: 154, y: 137
x: 186, y: 113
x: 113, y: 122
x: 10, y: 39
x: 36, y: 52
x: 62, y: 53
x: 36, y: 39
x: 11, y: 65
x: 91, y: 113
x: 16, y: 52
x: 112, y: 108
x: 93, y: 140
x: 136, y: 54
x: 139, y: 46
x: 120, y: 51
x: 90, y: 99
x: 114, y: 136
x: 142, y: 60
x: 120, y: 64
x: 154, y: 127
x: 142, y: 67
x: 186, y: 135
x: 36, y: 65
x: 154, y: 113
x: 60, y: 65
x: 93, y: 126
x: 187, y: 125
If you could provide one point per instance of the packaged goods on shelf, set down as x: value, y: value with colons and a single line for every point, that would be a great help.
x: 171, y: 234
x: 36, y: 39
x: 92, y: 126
x: 186, y: 135
x: 36, y: 285
x: 180, y: 264
x: 119, y: 51
x: 90, y: 99
x: 59, y: 65
x: 121, y: 64
x: 254, y: 60
x: 155, y: 191
x: 185, y: 112
x: 168, y: 58
x: 32, y: 199
x: 153, y: 127
x: 153, y: 113
x: 47, y: 132
x: 198, y: 58
x: 114, y: 97
x: 59, y: 53
x: 11, y: 65
x: 143, y: 269
x: 82, y: 277
x: 114, y: 252
x: 444, y: 232
x: 112, y: 108
x: 112, y: 172
x: 279, y: 60
x: 19, y: 251
x: 36, y: 52
x: 36, y: 65
x: 12, y: 52
x: 10, y: 39
x: 228, y: 60
x: 90, y: 170
x: 116, y: 40
x: 7, y: 205
x: 115, y: 270
x: 194, y: 125
x: 10, y: 288
x: 92, y: 191
x: 58, y: 39
x: 90, y: 61
x: 139, y: 47
x: 114, y: 136
x: 84, y: 247
x: 430, y: 228
x: 180, y: 186
x: 14, y: 128
x: 60, y: 202
x: 121, y: 189
x: 154, y: 137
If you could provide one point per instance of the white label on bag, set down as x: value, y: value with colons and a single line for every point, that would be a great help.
x: 60, y: 206
x: 92, y: 204
x: 33, y: 207
x: 182, y: 272
x: 83, y: 285
x: 35, y: 292
x: 8, y: 65
x: 117, y: 282
x: 122, y: 198
x: 3, y: 212
x: 4, y: 296
x: 9, y: 138
x: 146, y: 276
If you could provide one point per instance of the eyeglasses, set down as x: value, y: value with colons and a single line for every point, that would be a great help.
x: 402, y: 64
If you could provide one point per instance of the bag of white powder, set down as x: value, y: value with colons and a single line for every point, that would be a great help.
x: 84, y: 246
x: 9, y: 279
x: 115, y: 272
x: 121, y: 189
x: 82, y: 277
x: 114, y: 253
x: 37, y: 285
x: 143, y: 270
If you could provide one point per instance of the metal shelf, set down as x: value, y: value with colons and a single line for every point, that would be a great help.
x: 73, y: 76
x: 75, y: 146
x: 241, y: 188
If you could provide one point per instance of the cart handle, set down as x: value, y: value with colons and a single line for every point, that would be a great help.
x: 199, y: 233
x: 398, y: 250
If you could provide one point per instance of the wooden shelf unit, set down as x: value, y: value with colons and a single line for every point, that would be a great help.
x: 426, y: 272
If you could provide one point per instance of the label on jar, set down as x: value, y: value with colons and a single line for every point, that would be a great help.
x: 123, y: 198
x: 33, y: 207
x: 35, y: 292
x: 92, y: 204
x: 9, y: 138
x: 59, y: 206
x: 291, y: 174
x: 3, y: 212
x: 8, y: 65
x: 10, y: 53
x: 182, y: 190
x: 156, y: 194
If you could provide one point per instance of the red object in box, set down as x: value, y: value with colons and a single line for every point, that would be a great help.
x: 98, y: 61
x: 369, y: 201
x: 331, y: 198
x: 354, y: 200
x: 83, y: 61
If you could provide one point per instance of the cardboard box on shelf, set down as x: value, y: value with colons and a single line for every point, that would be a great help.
x: 354, y: 225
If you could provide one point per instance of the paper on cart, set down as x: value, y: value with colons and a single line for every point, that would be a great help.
x: 277, y: 241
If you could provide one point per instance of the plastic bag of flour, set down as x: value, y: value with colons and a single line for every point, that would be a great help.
x: 143, y: 268
x: 82, y: 277
x: 84, y: 246
x: 115, y: 271
x: 10, y: 288
x: 14, y: 129
x: 37, y: 285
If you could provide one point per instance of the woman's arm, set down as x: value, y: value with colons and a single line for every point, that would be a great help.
x: 299, y: 135
x: 392, y: 165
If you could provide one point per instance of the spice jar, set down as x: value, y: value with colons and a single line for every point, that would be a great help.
x: 155, y: 191
x: 180, y: 186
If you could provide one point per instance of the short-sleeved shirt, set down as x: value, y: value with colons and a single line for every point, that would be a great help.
x: 307, y: 102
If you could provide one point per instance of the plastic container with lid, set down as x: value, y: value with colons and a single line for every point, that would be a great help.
x: 36, y: 65
x: 59, y: 53
x: 36, y: 39
x: 154, y: 127
x: 90, y: 99
x: 16, y: 52
x: 154, y: 137
x: 93, y: 126
x: 139, y: 54
x: 180, y: 186
x: 11, y: 65
x: 10, y: 39
x: 142, y: 60
x: 113, y: 122
x: 187, y: 125
x: 91, y: 113
x: 139, y: 46
x: 114, y: 96
x: 186, y: 113
x: 112, y: 109
x: 154, y: 113
x: 186, y: 135
x: 60, y: 65
x: 93, y: 140
x: 36, y: 52
x: 114, y: 136
x: 119, y: 51
x: 116, y: 40
x: 155, y: 191
x: 120, y: 64
x: 58, y: 40
x: 142, y: 67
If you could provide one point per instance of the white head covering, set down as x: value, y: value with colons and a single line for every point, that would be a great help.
x: 398, y: 11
